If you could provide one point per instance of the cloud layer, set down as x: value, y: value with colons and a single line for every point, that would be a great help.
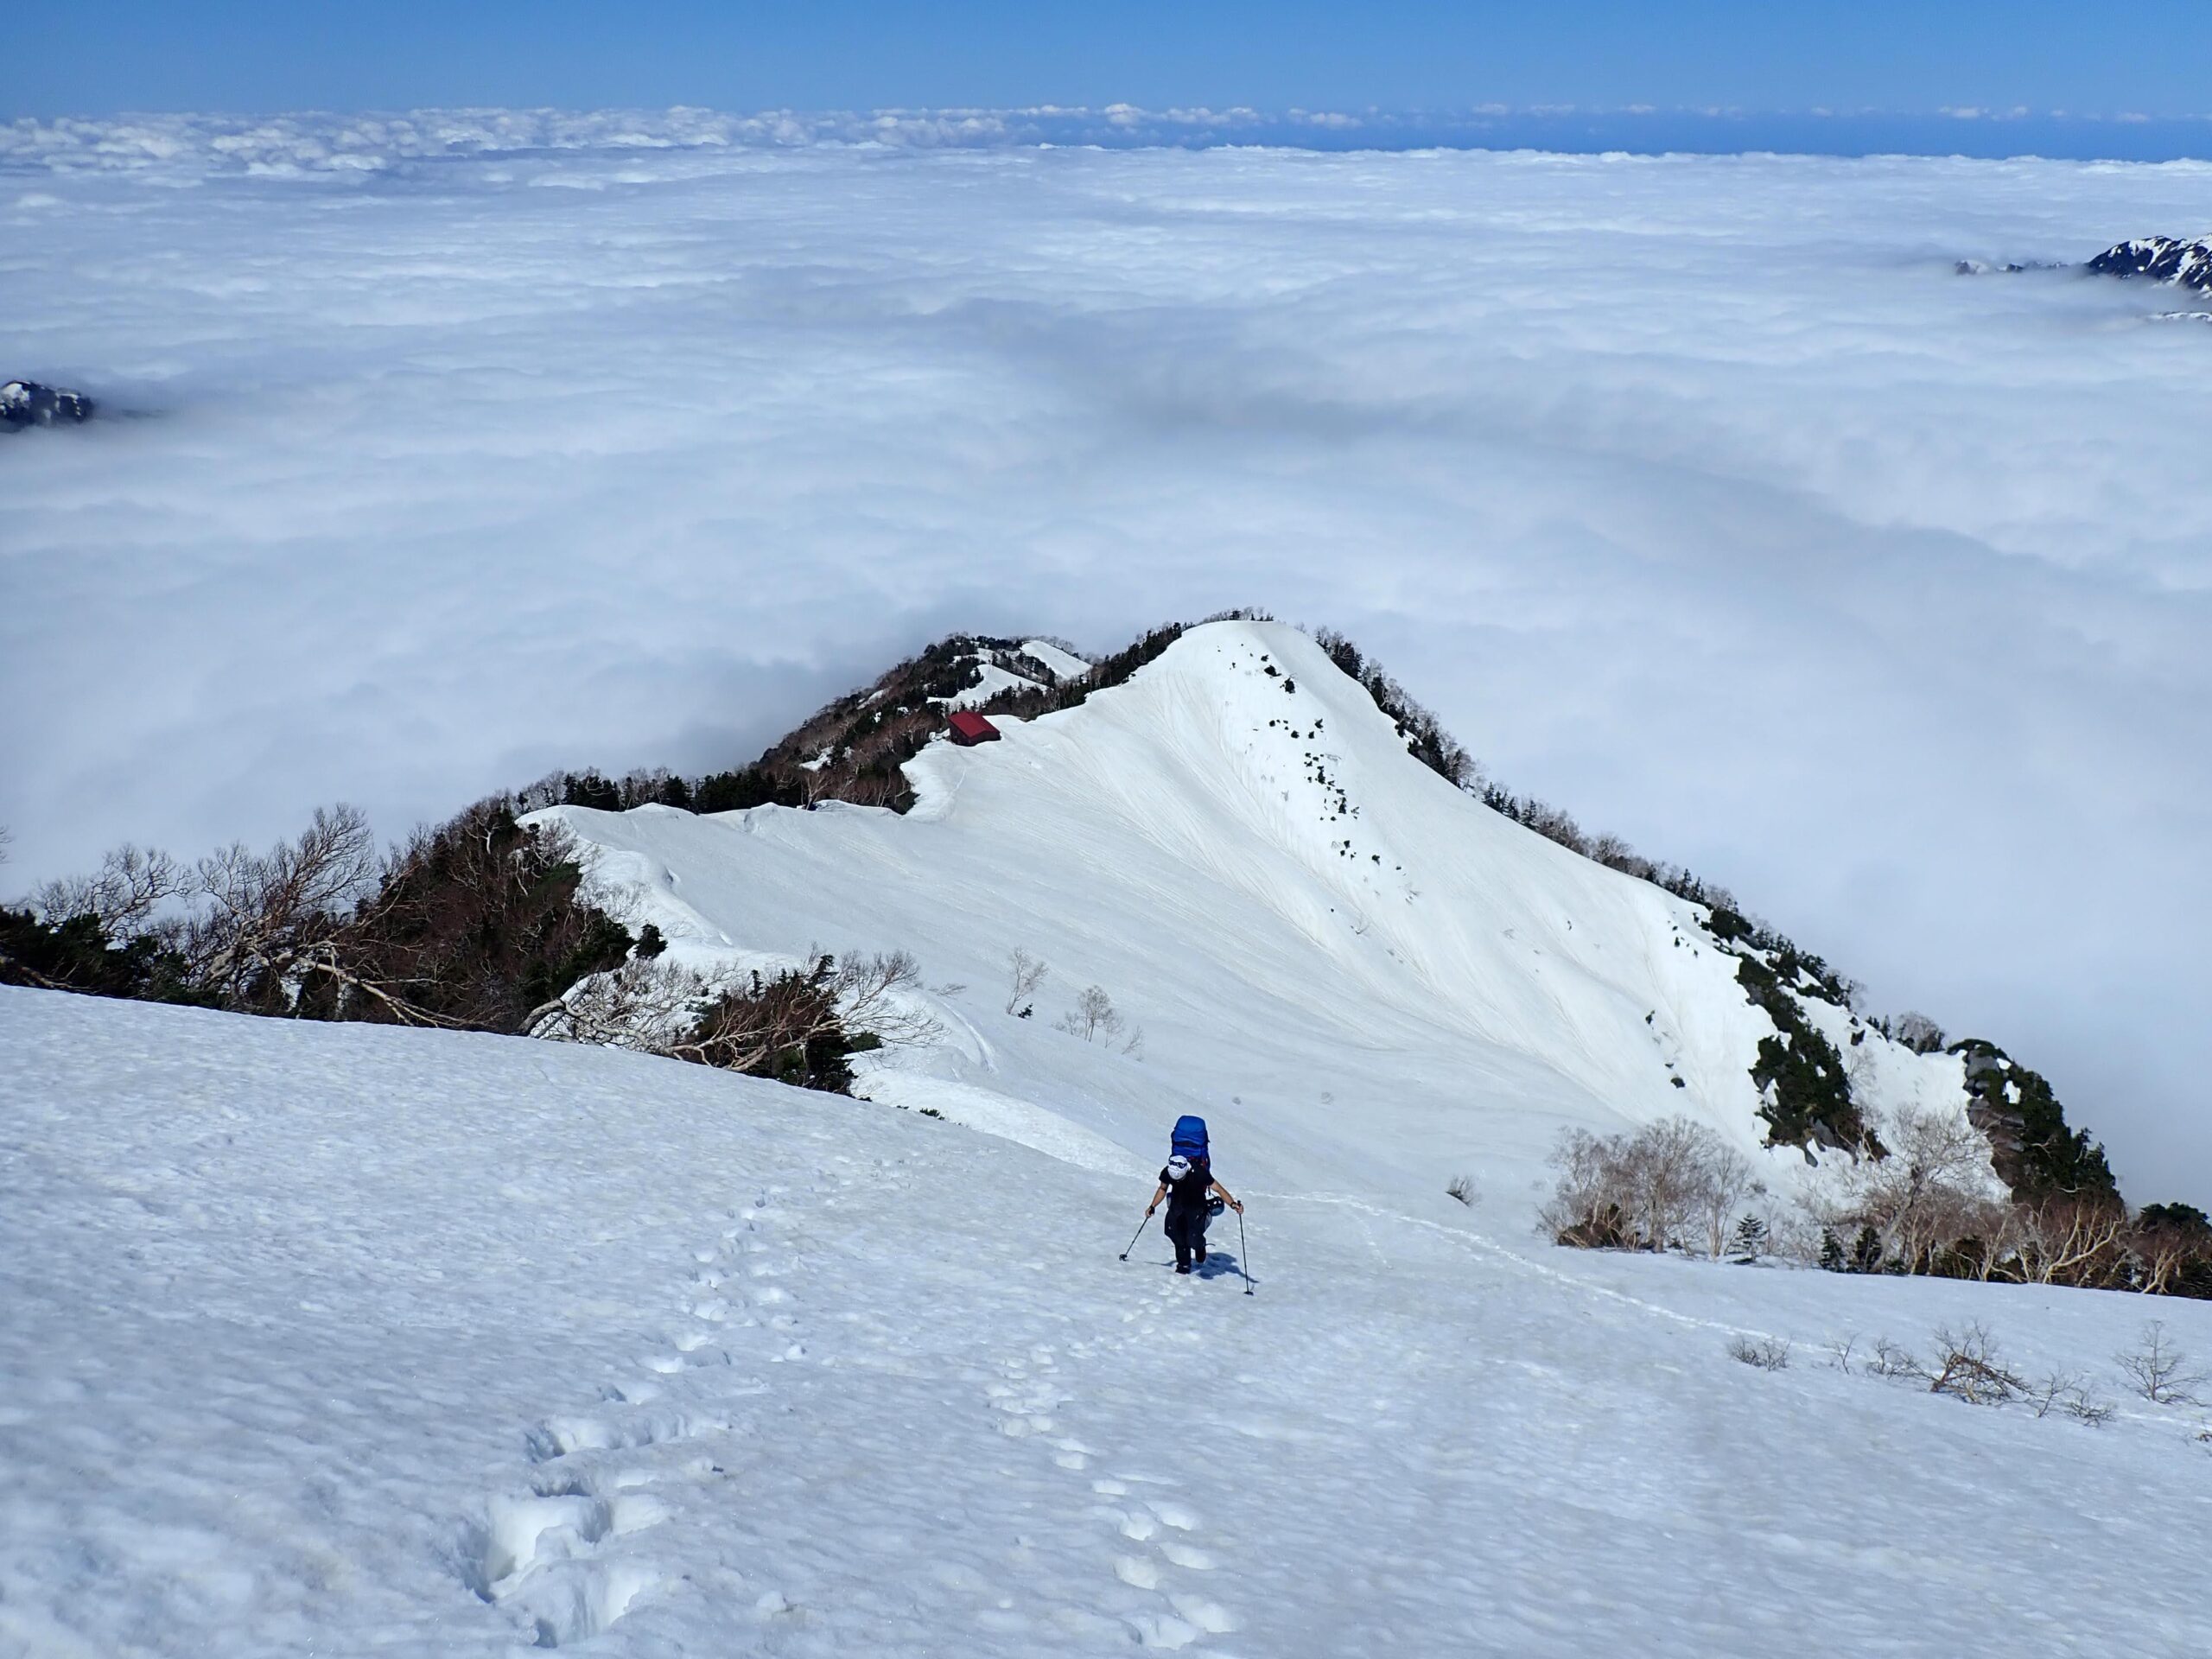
x: 1699, y: 496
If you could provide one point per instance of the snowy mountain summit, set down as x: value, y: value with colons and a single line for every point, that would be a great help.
x: 1317, y: 938
x: 26, y: 402
x: 2160, y: 259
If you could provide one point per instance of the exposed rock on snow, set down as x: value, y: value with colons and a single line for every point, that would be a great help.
x: 2160, y: 259
x: 26, y: 402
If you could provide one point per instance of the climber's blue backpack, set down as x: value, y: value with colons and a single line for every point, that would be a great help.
x: 1189, y: 1139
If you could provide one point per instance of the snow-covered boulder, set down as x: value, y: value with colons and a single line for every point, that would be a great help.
x: 26, y: 402
x: 2161, y: 258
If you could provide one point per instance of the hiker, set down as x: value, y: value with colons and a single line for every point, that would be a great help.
x: 1188, y: 1185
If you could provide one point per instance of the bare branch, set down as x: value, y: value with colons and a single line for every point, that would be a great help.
x: 2160, y: 1371
x: 1026, y: 974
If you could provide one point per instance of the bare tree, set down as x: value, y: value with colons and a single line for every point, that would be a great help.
x: 1586, y: 1206
x: 1918, y: 1032
x: 2163, y: 1251
x: 124, y: 895
x: 1668, y: 1167
x: 2067, y: 1242
x: 1026, y: 974
x: 1725, y: 1181
x: 644, y: 1004
x: 1929, y: 1194
x: 271, y: 918
x: 2158, y: 1372
x: 1645, y: 1190
x: 1094, y: 1017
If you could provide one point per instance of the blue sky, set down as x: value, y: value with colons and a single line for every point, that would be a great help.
x: 1880, y: 60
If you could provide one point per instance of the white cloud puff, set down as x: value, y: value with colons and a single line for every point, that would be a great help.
x: 1699, y: 496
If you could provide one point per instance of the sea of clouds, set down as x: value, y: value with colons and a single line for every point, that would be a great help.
x: 1701, y: 496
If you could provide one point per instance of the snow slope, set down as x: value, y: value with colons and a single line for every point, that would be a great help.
x: 346, y: 1340
x: 1360, y: 973
x: 342, y: 1339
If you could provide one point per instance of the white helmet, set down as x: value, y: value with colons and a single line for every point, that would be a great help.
x: 1179, y: 1166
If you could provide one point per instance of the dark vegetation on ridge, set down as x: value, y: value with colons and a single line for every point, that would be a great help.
x: 479, y: 923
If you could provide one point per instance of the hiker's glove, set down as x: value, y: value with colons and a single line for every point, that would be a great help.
x: 1149, y: 1209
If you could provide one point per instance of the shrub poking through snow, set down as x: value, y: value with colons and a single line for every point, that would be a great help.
x: 2160, y: 1371
x: 798, y: 1025
x: 1968, y: 1367
x: 1096, y: 1020
x: 1767, y: 1353
x: 2067, y: 1394
x: 1460, y: 1187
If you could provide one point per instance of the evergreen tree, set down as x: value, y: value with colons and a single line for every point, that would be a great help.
x: 1866, y: 1251
x: 1751, y: 1239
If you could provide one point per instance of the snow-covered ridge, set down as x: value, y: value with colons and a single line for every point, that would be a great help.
x: 2160, y: 259
x: 1034, y: 666
x: 1308, y: 926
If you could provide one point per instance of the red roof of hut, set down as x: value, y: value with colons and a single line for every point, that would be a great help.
x: 969, y: 726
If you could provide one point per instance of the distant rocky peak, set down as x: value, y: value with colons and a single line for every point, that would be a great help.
x: 26, y: 402
x: 2161, y: 258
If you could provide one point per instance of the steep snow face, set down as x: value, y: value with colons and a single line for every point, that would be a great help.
x: 1061, y: 664
x: 2161, y: 259
x: 1316, y: 936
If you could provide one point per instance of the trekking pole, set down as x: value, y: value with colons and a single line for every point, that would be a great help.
x: 1242, y: 1266
x: 1142, y: 1225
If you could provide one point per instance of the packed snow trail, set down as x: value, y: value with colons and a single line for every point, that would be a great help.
x: 352, y: 1340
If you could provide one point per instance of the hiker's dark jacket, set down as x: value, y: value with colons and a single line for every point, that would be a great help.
x: 1187, y: 1196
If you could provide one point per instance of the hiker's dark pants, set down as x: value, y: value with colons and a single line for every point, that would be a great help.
x: 1187, y: 1230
